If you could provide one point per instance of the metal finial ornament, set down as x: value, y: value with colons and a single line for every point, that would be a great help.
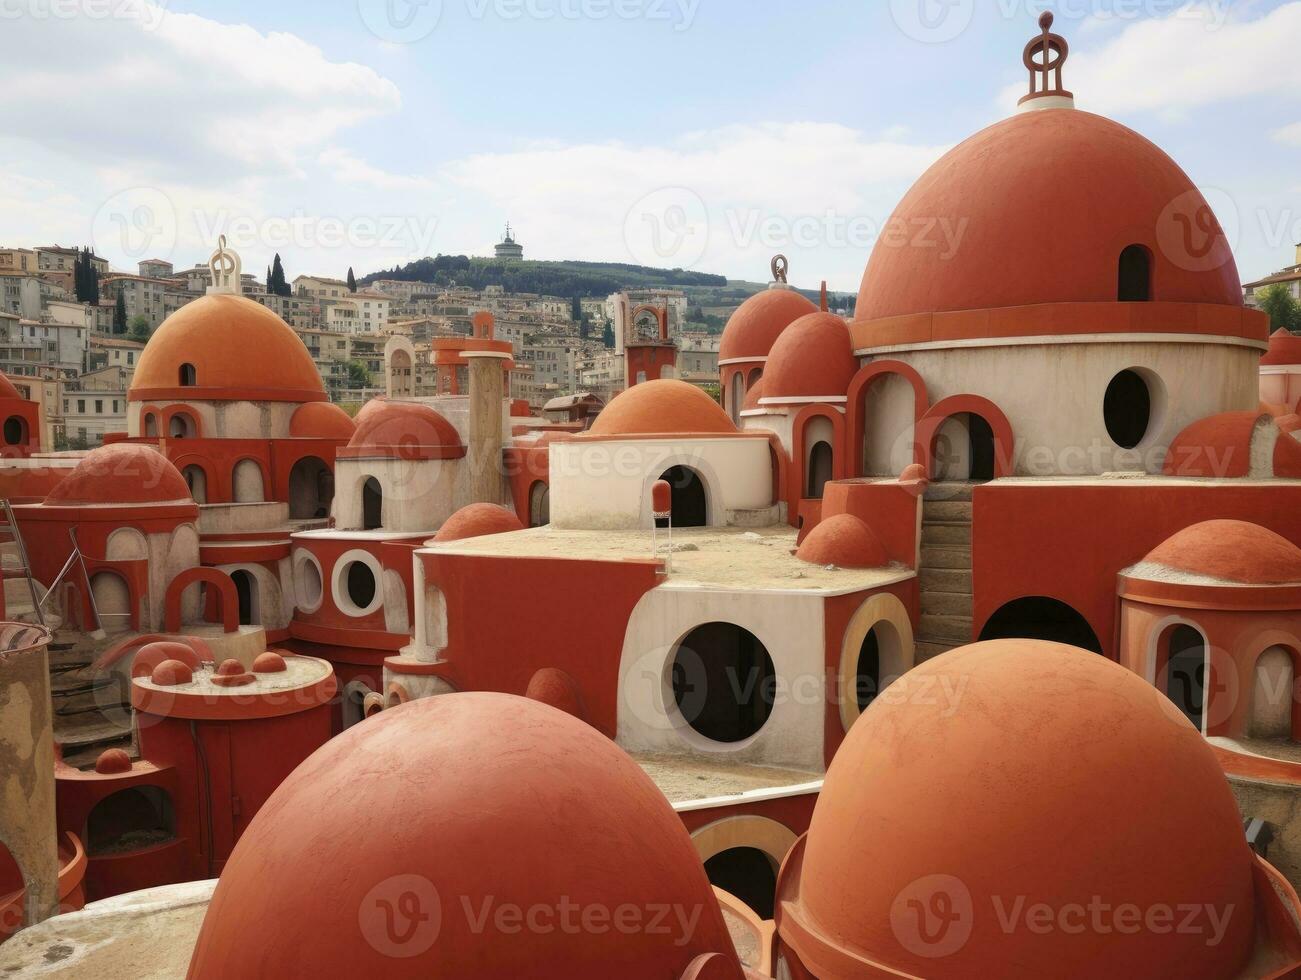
x: 824, y: 304
x: 1044, y: 57
x: 780, y: 267
x: 225, y: 267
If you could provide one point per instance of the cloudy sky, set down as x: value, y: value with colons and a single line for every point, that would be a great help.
x: 698, y: 133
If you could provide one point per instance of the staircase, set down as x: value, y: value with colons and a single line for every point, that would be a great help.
x: 92, y: 710
x: 945, y: 570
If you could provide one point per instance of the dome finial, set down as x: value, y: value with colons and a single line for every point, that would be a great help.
x: 825, y: 306
x: 225, y: 268
x: 1044, y: 56
x: 780, y: 268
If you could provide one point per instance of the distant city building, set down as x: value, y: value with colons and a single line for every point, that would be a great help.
x: 509, y: 249
x: 1289, y: 277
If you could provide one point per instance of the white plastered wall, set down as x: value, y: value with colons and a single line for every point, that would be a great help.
x: 419, y: 495
x: 605, y: 484
x: 1052, y: 394
x: 791, y: 628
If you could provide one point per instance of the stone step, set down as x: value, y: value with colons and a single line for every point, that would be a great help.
x: 956, y: 629
x: 945, y: 556
x: 948, y: 534
x: 947, y: 604
x: 929, y: 649
x: 949, y: 491
x: 950, y: 511
x: 945, y: 580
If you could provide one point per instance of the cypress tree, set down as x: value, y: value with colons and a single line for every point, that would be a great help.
x: 119, y: 314
x: 352, y: 281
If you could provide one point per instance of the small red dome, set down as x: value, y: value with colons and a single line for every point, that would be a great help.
x: 844, y: 541
x: 664, y: 407
x: 112, y: 761
x: 321, y: 420
x: 1216, y: 446
x: 1231, y: 551
x: 476, y: 520
x: 234, y: 346
x: 386, y: 423
x: 813, y: 358
x: 151, y: 655
x: 1052, y: 777
x: 483, y: 803
x: 122, y: 473
x: 7, y: 389
x: 269, y: 663
x: 555, y: 687
x: 1284, y: 348
x: 231, y: 673
x: 170, y: 673
x: 755, y: 325
x: 1037, y: 209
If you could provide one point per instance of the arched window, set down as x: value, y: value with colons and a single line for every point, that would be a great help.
x: 690, y: 504
x: 539, y: 504
x: 1134, y: 277
x: 15, y: 431
x: 820, y: 470
x: 188, y: 376
x: 964, y: 449
x: 372, y: 505
x: 723, y: 682
x: 311, y: 489
x: 197, y: 480
x: 735, y: 397
x: 246, y: 589
x: 182, y: 426
x: 1041, y: 618
x: 1185, y: 672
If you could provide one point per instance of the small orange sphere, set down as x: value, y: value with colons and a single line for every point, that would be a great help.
x: 170, y: 673
x: 112, y: 761
x: 269, y: 663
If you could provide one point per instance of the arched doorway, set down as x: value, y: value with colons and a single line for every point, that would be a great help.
x: 690, y: 503
x: 1041, y: 618
x: 539, y: 504
x: 1185, y: 672
x: 372, y: 505
x: 15, y: 431
x: 748, y: 874
x: 964, y: 449
x: 130, y: 820
x: 196, y: 478
x: 246, y: 590
x: 723, y: 682
x: 821, y: 464
x: 311, y: 489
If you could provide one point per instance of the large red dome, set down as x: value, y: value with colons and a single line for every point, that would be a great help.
x: 392, y: 849
x: 1037, y: 209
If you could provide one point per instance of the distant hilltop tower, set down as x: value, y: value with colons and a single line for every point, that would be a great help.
x: 508, y: 248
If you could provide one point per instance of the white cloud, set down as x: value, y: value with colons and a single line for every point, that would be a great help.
x: 1190, y: 58
x: 179, y: 95
x: 350, y: 169
x: 1290, y: 135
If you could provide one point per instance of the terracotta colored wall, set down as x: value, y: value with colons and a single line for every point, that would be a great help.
x: 581, y: 610
x: 1068, y: 542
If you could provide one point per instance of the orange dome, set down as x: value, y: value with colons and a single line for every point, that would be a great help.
x: 844, y: 541
x: 513, y: 806
x: 813, y: 358
x: 122, y: 473
x: 1284, y: 348
x: 755, y: 325
x: 1230, y: 551
x: 403, y: 424
x: 239, y: 350
x: 1038, y: 209
x: 753, y: 396
x: 1050, y: 778
x: 321, y: 420
x: 113, y: 762
x: 667, y: 407
x: 476, y: 520
x: 7, y: 389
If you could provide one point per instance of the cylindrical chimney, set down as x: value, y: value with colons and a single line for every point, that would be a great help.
x: 486, y: 395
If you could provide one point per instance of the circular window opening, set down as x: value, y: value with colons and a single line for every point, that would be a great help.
x: 361, y: 584
x: 723, y: 682
x: 15, y: 431
x: 1127, y: 409
x: 867, y: 674
x: 309, y: 583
